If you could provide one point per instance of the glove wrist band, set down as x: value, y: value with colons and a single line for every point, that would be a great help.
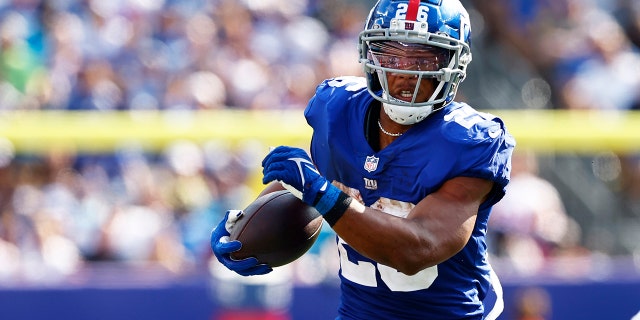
x: 333, y: 204
x: 324, y: 201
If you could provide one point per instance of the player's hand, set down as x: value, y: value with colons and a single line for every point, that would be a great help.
x: 223, y: 247
x: 294, y: 167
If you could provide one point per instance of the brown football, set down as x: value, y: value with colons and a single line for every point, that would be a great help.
x: 277, y: 228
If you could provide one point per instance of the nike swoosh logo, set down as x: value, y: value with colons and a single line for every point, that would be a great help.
x: 303, y: 162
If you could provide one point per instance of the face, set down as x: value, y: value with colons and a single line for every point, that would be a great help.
x: 403, y: 63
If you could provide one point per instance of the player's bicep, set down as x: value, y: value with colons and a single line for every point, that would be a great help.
x: 465, y: 190
x: 449, y: 214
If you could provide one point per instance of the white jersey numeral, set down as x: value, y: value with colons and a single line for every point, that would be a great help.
x: 464, y: 117
x: 364, y: 273
x: 361, y: 272
x: 350, y: 83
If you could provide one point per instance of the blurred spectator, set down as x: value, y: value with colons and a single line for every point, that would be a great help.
x: 628, y: 12
x: 608, y: 65
x: 574, y: 45
x: 530, y: 224
x: 533, y: 304
x: 527, y: 29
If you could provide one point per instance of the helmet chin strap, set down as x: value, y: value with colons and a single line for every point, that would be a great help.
x: 413, y: 114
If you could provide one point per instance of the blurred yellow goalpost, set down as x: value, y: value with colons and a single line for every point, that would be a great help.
x: 96, y: 131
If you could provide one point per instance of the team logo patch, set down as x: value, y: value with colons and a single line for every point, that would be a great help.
x: 371, y: 163
x: 371, y: 184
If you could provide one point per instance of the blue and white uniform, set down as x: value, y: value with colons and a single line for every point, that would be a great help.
x: 452, y: 142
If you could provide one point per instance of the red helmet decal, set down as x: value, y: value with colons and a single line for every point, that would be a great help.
x: 412, y: 11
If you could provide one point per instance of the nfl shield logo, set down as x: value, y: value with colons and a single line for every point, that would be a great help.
x: 371, y: 164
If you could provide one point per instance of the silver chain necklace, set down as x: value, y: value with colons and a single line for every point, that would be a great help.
x: 387, y: 132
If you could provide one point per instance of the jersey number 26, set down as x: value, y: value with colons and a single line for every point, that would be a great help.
x: 364, y: 273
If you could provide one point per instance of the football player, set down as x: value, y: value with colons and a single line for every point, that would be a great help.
x: 405, y: 175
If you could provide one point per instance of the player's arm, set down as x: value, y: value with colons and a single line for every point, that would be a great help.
x: 437, y: 228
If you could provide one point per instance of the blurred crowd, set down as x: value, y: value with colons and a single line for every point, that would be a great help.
x: 569, y: 54
x: 62, y: 210
x: 157, y: 54
x: 585, y: 52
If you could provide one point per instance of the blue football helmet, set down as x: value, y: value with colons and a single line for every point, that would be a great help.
x: 395, y: 27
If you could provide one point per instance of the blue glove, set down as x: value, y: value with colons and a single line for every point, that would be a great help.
x: 222, y: 248
x: 293, y: 167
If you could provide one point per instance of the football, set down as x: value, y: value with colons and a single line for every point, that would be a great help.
x: 277, y: 228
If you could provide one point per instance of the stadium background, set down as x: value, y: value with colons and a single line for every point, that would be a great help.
x: 130, y: 126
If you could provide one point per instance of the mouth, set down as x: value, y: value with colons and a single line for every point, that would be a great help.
x: 405, y: 95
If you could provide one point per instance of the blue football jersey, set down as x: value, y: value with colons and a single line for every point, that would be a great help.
x: 452, y: 142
